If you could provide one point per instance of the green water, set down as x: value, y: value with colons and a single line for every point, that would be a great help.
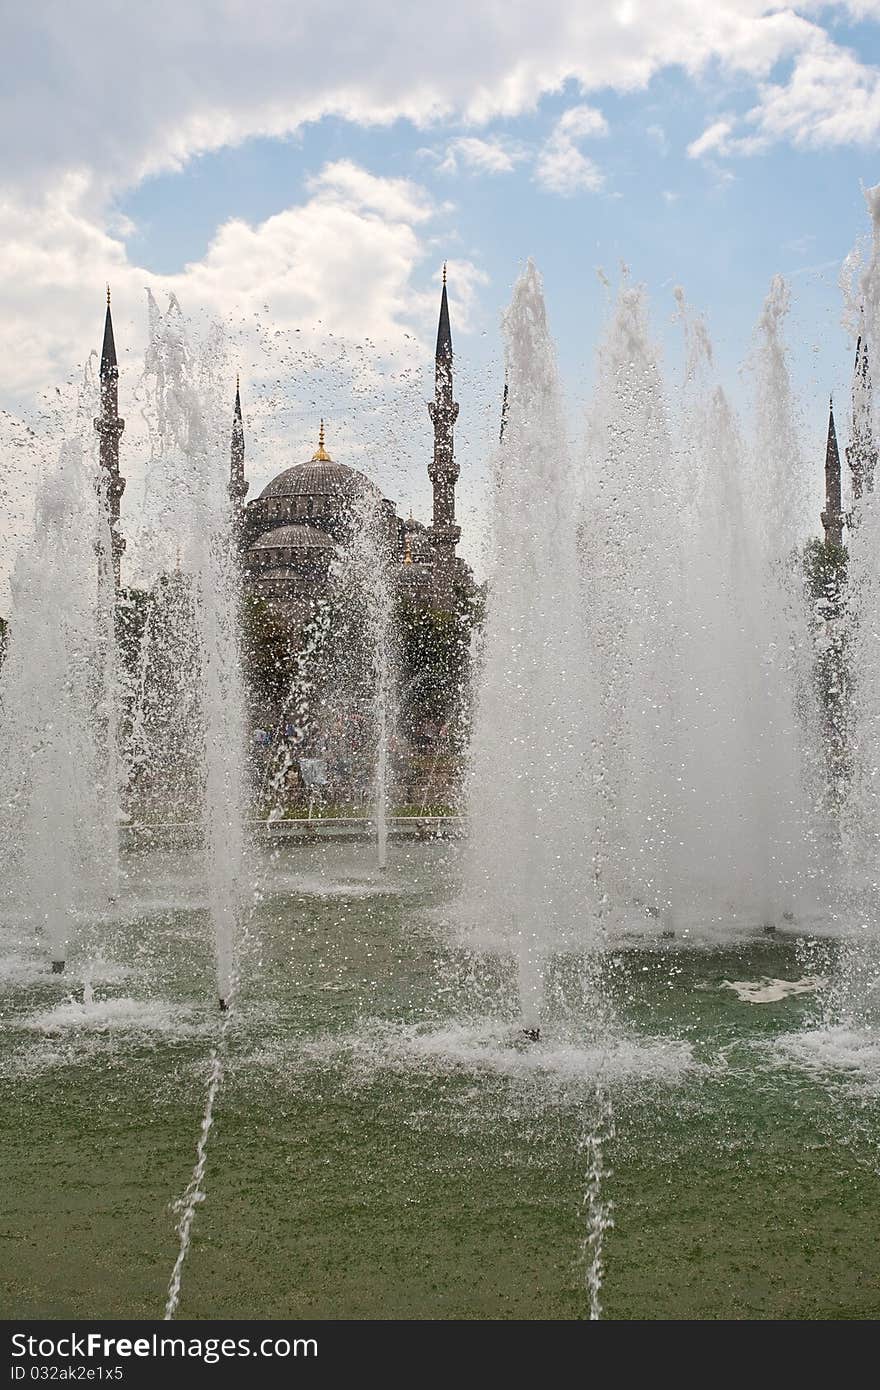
x: 384, y: 1149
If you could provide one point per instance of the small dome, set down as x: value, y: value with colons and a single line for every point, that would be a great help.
x: 294, y: 538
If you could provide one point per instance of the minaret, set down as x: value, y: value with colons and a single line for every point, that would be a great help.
x: 861, y: 453
x: 443, y: 471
x: 238, y: 484
x: 832, y: 517
x: 109, y: 428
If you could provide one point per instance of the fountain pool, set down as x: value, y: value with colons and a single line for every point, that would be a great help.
x: 382, y: 1144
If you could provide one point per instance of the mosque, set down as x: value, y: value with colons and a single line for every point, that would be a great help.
x: 288, y: 536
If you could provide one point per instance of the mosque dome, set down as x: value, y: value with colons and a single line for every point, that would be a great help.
x: 318, y: 495
x: 321, y: 477
x: 311, y: 479
x: 294, y: 538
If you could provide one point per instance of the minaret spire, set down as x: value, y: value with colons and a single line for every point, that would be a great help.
x: 238, y: 484
x: 832, y: 517
x: 109, y: 427
x: 443, y: 470
x: 861, y: 453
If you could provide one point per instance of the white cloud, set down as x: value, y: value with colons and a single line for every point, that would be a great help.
x: 122, y: 91
x: 346, y: 183
x: 345, y: 256
x: 346, y: 329
x: 578, y: 122
x: 829, y: 98
x: 560, y: 166
x: 715, y: 139
x: 97, y: 95
x: 492, y: 156
x: 106, y: 94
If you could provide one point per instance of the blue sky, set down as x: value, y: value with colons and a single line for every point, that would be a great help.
x: 304, y: 170
x: 721, y: 231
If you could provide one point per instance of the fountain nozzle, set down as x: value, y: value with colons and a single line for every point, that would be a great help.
x: 58, y: 967
x: 533, y: 1034
x: 224, y: 1005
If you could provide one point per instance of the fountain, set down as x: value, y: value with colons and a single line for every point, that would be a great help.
x: 58, y: 790
x: 532, y: 799
x: 362, y: 574
x: 645, y: 732
x: 696, y: 630
x: 854, y: 1002
x: 494, y: 1054
x: 189, y: 437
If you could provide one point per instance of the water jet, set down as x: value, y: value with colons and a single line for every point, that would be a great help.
x: 605, y: 795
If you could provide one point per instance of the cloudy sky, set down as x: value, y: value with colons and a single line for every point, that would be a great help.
x: 301, y: 169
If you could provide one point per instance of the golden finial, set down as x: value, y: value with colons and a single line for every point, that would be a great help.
x: 407, y: 551
x: 108, y: 296
x: 320, y: 455
x: 444, y: 272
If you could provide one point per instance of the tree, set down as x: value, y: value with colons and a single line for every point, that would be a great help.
x: 434, y: 652
x: 132, y: 612
x: 825, y: 572
x: 269, y: 644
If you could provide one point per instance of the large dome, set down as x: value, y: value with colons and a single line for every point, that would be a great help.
x: 319, y: 479
x: 291, y: 531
